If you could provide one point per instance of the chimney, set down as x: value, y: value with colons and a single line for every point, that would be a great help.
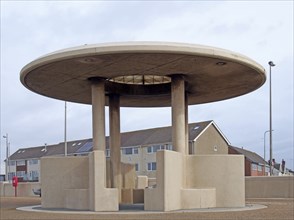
x: 283, y: 165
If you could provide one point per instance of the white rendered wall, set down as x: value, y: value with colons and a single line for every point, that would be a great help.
x: 60, y: 173
x: 223, y: 172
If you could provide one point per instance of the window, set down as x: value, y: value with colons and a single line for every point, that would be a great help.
x: 130, y: 150
x: 155, y: 148
x: 33, y: 161
x: 107, y: 152
x: 10, y: 175
x: 149, y: 149
x: 20, y: 162
x: 151, y: 166
x: 253, y: 166
x: 11, y: 163
x: 169, y: 147
x: 20, y: 173
x: 162, y: 147
x: 267, y: 169
x: 34, y: 175
x: 137, y: 167
x: 259, y: 168
x: 136, y: 150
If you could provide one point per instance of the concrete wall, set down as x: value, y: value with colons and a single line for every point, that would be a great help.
x: 141, y: 182
x: 100, y: 197
x: 23, y: 189
x: 269, y: 187
x: 66, y: 183
x: 225, y: 173
x: 128, y: 175
x: 171, y: 192
x: 58, y: 174
x: 208, y: 140
x: 173, y: 179
x: 166, y: 195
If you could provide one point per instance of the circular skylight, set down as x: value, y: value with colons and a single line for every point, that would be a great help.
x: 141, y: 79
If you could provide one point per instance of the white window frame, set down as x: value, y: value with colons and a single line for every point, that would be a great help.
x: 107, y: 152
x: 137, y: 167
x: 20, y: 163
x: 152, y: 166
x: 169, y: 147
x: 10, y: 175
x: 33, y: 161
x: 135, y: 150
x: 149, y: 148
x: 11, y: 163
x: 254, y: 166
x: 21, y: 173
x: 127, y: 148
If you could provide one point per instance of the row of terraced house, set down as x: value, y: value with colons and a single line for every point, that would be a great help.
x: 139, y: 148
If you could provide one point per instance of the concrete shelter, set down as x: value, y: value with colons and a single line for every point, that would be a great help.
x: 146, y: 74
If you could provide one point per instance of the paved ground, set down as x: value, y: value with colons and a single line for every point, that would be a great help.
x: 278, y: 209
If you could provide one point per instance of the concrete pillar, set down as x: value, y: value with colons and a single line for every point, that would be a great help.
x: 115, y: 141
x: 98, y: 114
x: 178, y: 113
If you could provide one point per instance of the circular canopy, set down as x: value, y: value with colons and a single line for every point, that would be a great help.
x: 141, y: 72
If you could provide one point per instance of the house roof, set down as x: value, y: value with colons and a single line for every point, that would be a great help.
x: 277, y: 166
x: 253, y: 157
x: 217, y: 129
x: 145, y: 137
x: 159, y: 135
x: 49, y: 150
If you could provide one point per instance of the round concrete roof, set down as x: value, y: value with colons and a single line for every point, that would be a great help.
x: 140, y: 73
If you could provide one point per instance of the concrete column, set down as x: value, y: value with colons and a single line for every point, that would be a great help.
x: 98, y: 114
x: 115, y: 141
x: 178, y: 113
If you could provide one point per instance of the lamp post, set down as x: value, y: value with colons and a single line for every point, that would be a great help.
x: 271, y: 64
x: 264, y: 158
x: 7, y: 157
x: 65, y: 141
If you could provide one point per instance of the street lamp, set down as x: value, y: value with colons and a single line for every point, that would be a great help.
x: 65, y: 141
x: 7, y: 158
x: 264, y: 148
x: 271, y: 64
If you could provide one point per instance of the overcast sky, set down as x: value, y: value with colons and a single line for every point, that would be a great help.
x: 261, y: 30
